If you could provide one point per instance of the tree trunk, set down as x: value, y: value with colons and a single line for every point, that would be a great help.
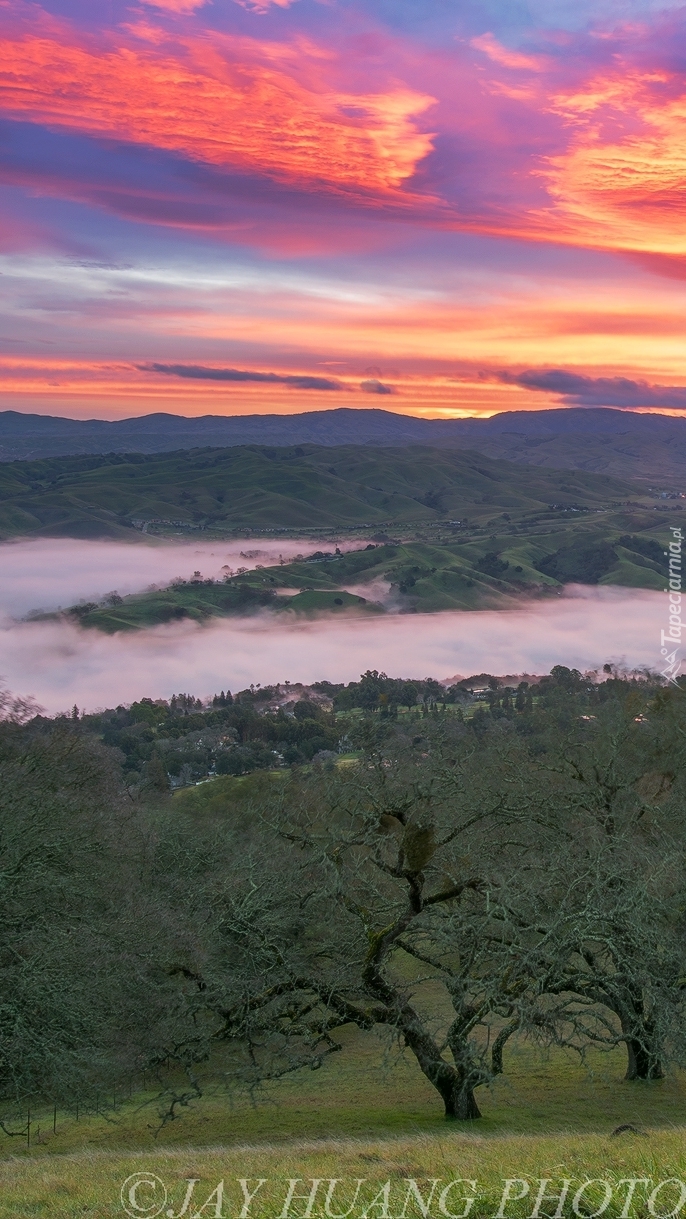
x: 456, y: 1091
x: 499, y: 1045
x: 642, y: 1047
x: 460, y: 1103
x: 455, y: 1086
x: 643, y: 1063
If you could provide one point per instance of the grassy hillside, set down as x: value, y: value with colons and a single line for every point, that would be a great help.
x: 366, y: 1091
x: 261, y: 488
x: 656, y: 460
x: 448, y: 530
x: 199, y: 600
x: 477, y: 567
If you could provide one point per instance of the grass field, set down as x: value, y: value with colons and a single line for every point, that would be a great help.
x: 366, y: 1091
x: 363, y: 1115
x: 90, y: 1184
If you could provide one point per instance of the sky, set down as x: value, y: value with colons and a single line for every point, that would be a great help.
x: 438, y: 207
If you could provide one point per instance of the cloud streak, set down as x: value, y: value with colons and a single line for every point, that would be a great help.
x: 182, y: 7
x: 198, y: 372
x: 577, y: 390
x: 375, y: 387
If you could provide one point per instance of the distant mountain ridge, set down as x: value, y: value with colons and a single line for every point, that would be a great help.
x: 602, y: 440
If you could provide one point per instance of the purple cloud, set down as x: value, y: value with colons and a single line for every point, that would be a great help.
x: 375, y: 387
x: 577, y: 390
x: 200, y: 372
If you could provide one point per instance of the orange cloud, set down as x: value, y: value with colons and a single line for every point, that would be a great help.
x: 626, y: 192
x: 431, y: 349
x: 249, y: 115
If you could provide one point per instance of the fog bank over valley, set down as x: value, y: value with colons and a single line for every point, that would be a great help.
x: 61, y: 664
x: 51, y: 572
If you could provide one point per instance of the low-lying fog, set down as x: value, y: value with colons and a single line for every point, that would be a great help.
x: 61, y: 665
x: 47, y: 573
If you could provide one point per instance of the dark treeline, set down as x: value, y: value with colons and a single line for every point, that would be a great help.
x: 183, y: 739
x: 466, y: 877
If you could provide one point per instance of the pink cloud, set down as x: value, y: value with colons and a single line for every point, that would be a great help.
x: 240, y: 105
x: 577, y: 140
x: 263, y: 6
x: 182, y: 7
x: 505, y: 57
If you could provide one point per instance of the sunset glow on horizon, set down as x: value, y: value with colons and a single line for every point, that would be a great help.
x: 273, y: 206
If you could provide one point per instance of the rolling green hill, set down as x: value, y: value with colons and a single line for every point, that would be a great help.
x: 480, y: 570
x: 474, y: 570
x: 199, y: 600
x: 298, y: 488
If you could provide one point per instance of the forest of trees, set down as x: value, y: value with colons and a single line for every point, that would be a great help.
x: 468, y: 876
x: 183, y: 739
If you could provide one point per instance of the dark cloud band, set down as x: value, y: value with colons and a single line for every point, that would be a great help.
x: 375, y: 387
x: 200, y: 372
x: 598, y: 391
